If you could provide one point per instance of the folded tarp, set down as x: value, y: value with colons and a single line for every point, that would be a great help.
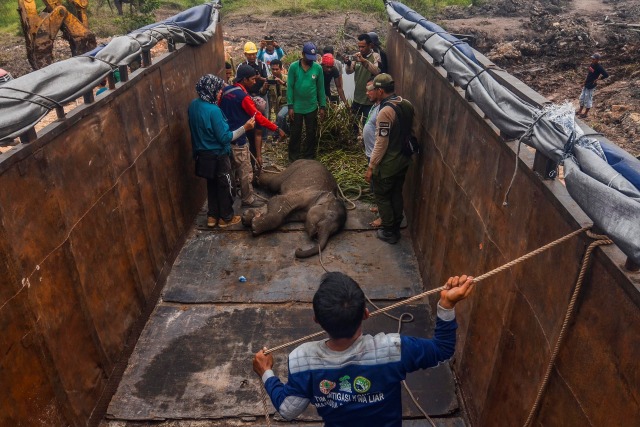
x: 26, y: 100
x: 602, y: 179
x: 413, y: 16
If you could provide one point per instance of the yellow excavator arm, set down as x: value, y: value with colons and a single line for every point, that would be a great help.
x: 41, y: 28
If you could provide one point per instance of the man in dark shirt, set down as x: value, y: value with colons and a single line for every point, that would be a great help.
x: 596, y: 72
x: 331, y: 74
x: 377, y: 47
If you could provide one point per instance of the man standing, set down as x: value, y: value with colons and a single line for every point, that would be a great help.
x: 365, y: 64
x: 377, y: 47
x: 369, y: 139
x: 354, y: 379
x: 278, y: 94
x: 257, y: 90
x: 305, y: 94
x: 238, y: 107
x: 332, y: 75
x: 251, y: 55
x: 339, y: 66
x: 269, y: 50
x: 596, y: 72
x: 388, y: 164
x: 276, y: 87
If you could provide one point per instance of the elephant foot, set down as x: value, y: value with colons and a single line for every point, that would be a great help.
x: 247, y: 217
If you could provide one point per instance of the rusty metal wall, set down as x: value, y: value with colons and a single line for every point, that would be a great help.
x: 91, y: 217
x: 453, y: 198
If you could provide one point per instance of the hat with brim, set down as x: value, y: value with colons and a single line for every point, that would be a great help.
x: 245, y: 71
x: 309, y: 51
x: 382, y: 81
x: 595, y: 56
x: 374, y: 38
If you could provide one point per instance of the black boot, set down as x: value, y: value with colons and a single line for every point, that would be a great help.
x: 388, y: 236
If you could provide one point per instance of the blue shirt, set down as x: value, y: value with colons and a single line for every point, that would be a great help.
x: 209, y: 128
x: 369, y: 130
x: 361, y: 386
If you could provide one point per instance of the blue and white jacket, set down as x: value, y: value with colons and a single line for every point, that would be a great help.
x: 361, y: 385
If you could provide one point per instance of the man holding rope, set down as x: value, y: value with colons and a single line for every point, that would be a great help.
x: 354, y: 379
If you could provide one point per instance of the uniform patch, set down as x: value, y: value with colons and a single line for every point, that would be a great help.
x: 361, y: 385
x: 383, y: 132
x: 384, y: 125
x: 326, y: 386
x: 345, y: 385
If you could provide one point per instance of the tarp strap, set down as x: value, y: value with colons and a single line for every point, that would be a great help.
x: 162, y: 36
x: 33, y: 101
x: 567, y: 150
x: 110, y: 64
x: 474, y: 76
x: 526, y: 134
x: 57, y: 104
x: 449, y: 48
x: 433, y: 34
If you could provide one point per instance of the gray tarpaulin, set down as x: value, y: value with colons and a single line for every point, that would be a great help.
x: 605, y: 191
x: 26, y: 100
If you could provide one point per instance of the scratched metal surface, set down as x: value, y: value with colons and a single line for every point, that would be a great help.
x: 210, y: 264
x: 194, y: 362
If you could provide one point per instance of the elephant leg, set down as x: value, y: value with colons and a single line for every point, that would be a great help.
x: 297, y: 216
x: 278, y: 208
x: 270, y: 181
x: 248, y: 215
x: 273, y: 181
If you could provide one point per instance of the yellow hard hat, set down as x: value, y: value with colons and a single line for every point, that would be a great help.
x: 250, y: 47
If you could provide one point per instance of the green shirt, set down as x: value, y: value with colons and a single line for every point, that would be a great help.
x: 305, y: 89
x: 361, y: 77
x: 394, y: 161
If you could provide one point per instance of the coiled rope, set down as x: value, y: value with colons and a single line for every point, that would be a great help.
x: 600, y: 240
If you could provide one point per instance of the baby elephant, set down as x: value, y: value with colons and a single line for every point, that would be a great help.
x: 306, y: 192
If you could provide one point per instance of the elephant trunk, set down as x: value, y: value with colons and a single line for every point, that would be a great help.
x: 323, y: 238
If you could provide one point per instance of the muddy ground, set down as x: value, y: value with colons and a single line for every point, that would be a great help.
x: 548, y: 44
x: 545, y: 43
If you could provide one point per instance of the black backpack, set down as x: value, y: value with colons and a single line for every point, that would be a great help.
x: 410, y: 144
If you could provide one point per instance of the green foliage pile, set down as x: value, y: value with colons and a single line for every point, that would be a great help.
x: 341, y: 153
x: 338, y: 150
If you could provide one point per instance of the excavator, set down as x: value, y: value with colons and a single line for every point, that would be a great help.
x: 41, y: 28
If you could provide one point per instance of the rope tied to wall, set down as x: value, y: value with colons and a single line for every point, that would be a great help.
x: 526, y: 134
x: 600, y: 240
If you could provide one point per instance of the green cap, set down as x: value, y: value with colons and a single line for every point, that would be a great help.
x: 383, y: 81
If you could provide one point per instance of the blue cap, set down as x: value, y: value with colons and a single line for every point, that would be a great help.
x: 309, y: 51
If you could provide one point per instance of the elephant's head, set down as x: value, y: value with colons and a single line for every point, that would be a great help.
x: 323, y: 220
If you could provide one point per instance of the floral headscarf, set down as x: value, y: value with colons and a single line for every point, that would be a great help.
x: 208, y: 87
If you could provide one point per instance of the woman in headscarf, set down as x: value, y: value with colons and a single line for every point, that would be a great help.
x: 211, y: 141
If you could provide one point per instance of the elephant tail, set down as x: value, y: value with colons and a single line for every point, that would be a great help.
x: 323, y: 238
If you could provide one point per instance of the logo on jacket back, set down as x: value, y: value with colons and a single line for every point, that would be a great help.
x: 326, y: 386
x: 345, y: 384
